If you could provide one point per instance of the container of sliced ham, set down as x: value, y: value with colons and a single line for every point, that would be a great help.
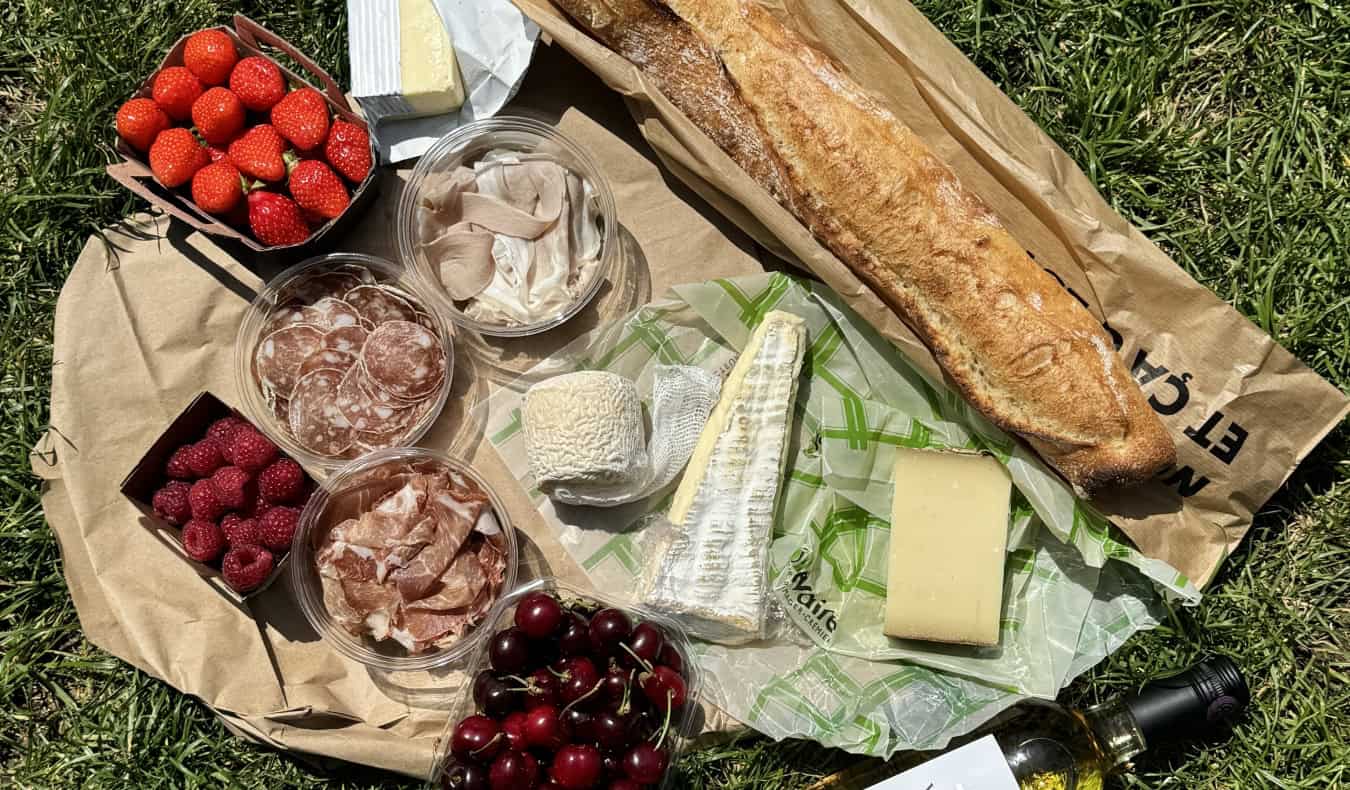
x: 510, y: 224
x: 341, y: 355
x: 399, y: 557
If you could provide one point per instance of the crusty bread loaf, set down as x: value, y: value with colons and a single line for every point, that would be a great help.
x: 1019, y: 348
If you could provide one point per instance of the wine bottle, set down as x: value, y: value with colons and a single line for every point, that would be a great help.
x: 1041, y: 745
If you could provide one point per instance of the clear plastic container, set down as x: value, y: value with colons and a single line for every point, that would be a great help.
x: 467, y: 144
x: 684, y: 724
x: 353, y: 488
x: 275, y: 294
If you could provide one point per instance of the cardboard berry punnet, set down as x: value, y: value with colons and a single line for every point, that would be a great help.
x: 249, y: 38
x: 148, y: 476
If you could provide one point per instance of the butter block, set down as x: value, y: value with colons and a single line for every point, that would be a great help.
x: 403, y: 60
x: 948, y: 542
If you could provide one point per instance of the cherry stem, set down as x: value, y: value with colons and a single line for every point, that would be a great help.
x: 569, y: 705
x: 524, y: 684
x: 495, y: 738
x: 665, y: 728
x: 642, y: 661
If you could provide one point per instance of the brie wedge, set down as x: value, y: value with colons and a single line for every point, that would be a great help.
x: 714, y: 575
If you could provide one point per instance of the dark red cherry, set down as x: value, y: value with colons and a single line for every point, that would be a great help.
x: 609, y: 628
x: 664, y: 688
x: 612, y: 730
x: 467, y: 776
x: 576, y: 766
x: 543, y: 688
x: 513, y: 770
x: 580, y: 723
x: 574, y: 636
x: 538, y: 615
x: 513, y: 727
x: 671, y: 658
x: 624, y: 784
x: 645, y: 643
x: 544, y: 728
x: 645, y: 764
x: 614, y: 683
x: 579, y: 677
x: 476, y: 738
x: 509, y: 652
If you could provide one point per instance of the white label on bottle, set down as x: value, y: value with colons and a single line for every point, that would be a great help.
x: 979, y: 765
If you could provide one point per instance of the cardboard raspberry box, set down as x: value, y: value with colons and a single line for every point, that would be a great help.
x: 133, y: 172
x: 148, y: 475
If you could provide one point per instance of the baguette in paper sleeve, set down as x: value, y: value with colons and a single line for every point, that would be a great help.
x: 1015, y: 343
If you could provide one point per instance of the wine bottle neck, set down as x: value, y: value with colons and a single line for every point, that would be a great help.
x: 1116, y: 731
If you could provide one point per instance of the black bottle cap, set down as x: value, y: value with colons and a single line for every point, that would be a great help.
x: 1195, y: 704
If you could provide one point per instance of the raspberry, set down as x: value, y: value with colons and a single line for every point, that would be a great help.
x: 250, y: 450
x: 171, y: 502
x: 283, y: 481
x: 203, y: 501
x: 204, y: 457
x: 203, y: 541
x: 221, y: 429
x: 240, y: 531
x: 233, y: 487
x: 278, y: 526
x: 246, y: 567
x: 177, y: 467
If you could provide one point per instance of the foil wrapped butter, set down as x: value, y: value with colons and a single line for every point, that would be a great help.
x: 403, y: 59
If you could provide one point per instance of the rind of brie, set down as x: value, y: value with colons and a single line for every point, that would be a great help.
x: 714, y: 575
x: 584, y: 428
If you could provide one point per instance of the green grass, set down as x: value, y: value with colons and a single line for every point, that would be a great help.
x: 1221, y: 128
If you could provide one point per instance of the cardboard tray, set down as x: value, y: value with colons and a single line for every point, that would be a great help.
x: 133, y: 172
x: 148, y: 475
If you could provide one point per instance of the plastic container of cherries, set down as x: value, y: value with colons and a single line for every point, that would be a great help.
x: 571, y: 689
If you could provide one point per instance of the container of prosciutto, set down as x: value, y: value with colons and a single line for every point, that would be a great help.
x: 398, y: 558
x: 510, y: 224
x: 340, y: 355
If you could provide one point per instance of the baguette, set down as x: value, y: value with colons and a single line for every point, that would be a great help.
x: 1014, y: 343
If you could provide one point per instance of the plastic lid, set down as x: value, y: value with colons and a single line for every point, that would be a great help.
x: 1201, y: 701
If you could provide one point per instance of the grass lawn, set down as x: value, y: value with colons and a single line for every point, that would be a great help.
x: 1221, y: 128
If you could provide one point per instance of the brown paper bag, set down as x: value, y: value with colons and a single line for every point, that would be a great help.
x: 1243, y: 411
x: 147, y: 319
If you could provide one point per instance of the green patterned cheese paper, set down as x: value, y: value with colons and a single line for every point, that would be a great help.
x: 1073, y: 591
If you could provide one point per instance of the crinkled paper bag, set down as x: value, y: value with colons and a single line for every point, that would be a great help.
x: 1242, y: 410
x: 1073, y: 592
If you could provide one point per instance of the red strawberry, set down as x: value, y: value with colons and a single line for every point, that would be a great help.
x: 176, y: 156
x: 233, y: 487
x: 302, y: 118
x: 203, y: 501
x: 246, y: 567
x: 204, y: 457
x: 348, y: 150
x: 240, y: 531
x: 278, y: 527
x: 275, y: 219
x: 218, y: 115
x: 258, y: 83
x: 283, y: 481
x: 174, y: 90
x: 257, y: 153
x: 177, y: 467
x: 139, y: 121
x: 217, y: 188
x: 203, y: 541
x: 171, y: 502
x: 317, y: 189
x: 249, y: 449
x: 222, y: 429
x: 209, y: 54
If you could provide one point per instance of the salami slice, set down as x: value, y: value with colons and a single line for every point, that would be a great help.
x: 368, y: 413
x: 379, y: 441
x: 278, y: 357
x: 348, y: 339
x: 335, y: 313
x: 404, y: 359
x: 327, y: 358
x: 289, y: 315
x: 316, y: 423
x: 313, y: 287
x: 380, y: 303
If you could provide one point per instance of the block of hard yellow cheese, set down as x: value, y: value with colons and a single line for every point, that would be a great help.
x: 949, y: 535
x: 403, y: 60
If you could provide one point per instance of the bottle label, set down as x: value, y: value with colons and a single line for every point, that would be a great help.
x: 979, y: 765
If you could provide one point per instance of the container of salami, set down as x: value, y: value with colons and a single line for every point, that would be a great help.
x: 250, y: 39
x: 340, y: 355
